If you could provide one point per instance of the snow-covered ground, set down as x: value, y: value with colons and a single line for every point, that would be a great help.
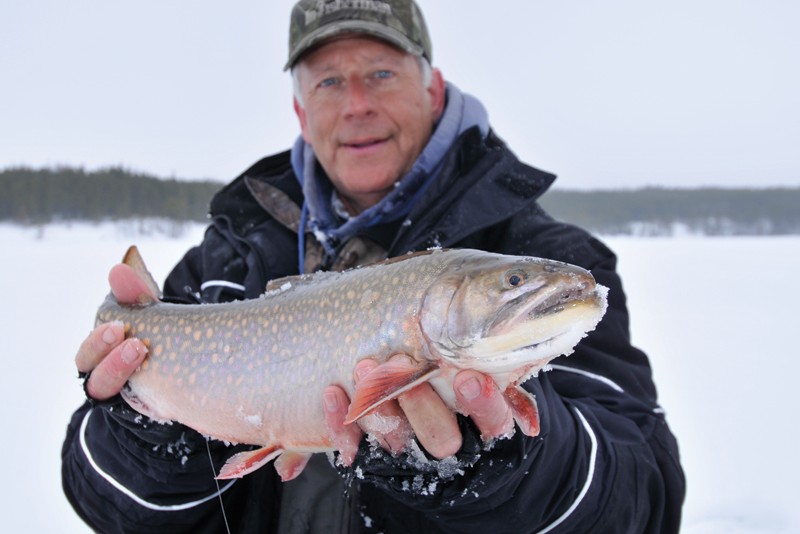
x: 717, y: 316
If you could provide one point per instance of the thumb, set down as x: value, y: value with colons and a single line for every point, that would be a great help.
x: 128, y: 287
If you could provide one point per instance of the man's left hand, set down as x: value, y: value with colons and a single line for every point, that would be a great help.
x: 420, y: 412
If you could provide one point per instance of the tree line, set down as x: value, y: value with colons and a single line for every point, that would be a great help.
x: 39, y: 196
x: 665, y: 211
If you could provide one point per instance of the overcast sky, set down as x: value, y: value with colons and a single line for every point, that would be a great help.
x: 618, y: 93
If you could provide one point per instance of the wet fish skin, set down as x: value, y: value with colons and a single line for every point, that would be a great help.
x: 254, y: 371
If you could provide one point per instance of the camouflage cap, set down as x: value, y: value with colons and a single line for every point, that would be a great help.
x: 398, y: 22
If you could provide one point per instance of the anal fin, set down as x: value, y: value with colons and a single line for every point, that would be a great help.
x: 525, y: 410
x: 290, y: 464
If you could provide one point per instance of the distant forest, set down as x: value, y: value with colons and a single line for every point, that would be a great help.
x: 40, y: 196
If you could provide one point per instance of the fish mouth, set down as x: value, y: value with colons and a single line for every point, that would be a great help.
x: 541, y: 302
x: 534, y: 328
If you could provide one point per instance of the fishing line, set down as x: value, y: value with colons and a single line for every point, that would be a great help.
x: 219, y: 491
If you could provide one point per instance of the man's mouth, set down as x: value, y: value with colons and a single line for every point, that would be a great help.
x: 366, y: 143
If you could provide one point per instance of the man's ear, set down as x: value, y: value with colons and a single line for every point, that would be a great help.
x: 438, y: 92
x: 301, y: 115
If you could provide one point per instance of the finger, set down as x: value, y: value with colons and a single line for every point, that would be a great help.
x: 345, y: 437
x: 484, y: 403
x: 386, y: 424
x: 113, y: 371
x: 98, y: 344
x: 434, y: 424
x: 128, y: 287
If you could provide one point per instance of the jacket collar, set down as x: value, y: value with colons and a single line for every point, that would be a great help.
x: 481, y: 183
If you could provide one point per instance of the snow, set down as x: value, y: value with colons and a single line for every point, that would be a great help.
x: 717, y: 316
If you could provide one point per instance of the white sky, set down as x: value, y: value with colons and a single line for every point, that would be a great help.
x: 619, y: 93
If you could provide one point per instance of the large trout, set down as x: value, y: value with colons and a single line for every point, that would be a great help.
x: 254, y: 371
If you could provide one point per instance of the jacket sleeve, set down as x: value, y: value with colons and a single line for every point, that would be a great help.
x: 605, y: 459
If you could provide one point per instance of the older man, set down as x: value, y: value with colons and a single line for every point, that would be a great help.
x: 391, y: 159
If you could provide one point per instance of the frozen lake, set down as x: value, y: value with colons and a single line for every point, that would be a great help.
x: 716, y: 315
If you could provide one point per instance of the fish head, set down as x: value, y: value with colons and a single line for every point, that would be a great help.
x: 509, y: 314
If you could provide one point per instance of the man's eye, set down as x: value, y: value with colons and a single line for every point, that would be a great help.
x: 328, y: 82
x: 383, y: 74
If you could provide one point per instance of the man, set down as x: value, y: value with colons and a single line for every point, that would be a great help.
x: 391, y: 159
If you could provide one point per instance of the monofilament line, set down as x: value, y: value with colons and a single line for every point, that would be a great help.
x: 219, y: 491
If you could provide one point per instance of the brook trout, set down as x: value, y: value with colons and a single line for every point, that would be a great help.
x: 254, y: 371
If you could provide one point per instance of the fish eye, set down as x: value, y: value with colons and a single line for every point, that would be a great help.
x: 514, y: 279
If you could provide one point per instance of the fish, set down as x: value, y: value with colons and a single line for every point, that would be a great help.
x: 253, y: 371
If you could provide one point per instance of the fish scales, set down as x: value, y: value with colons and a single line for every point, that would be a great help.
x: 287, y: 345
x: 254, y: 371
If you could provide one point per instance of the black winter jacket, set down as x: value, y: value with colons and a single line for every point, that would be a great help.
x: 605, y: 459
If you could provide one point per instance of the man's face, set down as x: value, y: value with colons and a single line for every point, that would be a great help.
x: 367, y: 115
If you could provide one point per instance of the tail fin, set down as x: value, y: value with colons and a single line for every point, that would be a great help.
x: 134, y: 260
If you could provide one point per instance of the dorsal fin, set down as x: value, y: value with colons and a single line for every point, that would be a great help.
x: 133, y: 259
x: 279, y: 285
x: 409, y: 255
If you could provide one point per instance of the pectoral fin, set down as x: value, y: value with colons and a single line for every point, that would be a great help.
x: 386, y: 382
x: 243, y: 463
x: 525, y: 410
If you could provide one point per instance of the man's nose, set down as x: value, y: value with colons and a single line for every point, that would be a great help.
x: 359, y: 99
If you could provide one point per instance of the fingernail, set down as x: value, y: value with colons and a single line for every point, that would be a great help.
x: 109, y: 337
x: 362, y: 371
x: 130, y: 353
x: 470, y: 389
x: 331, y: 401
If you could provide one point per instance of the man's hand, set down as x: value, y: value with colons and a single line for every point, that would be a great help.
x: 106, y: 354
x: 419, y: 412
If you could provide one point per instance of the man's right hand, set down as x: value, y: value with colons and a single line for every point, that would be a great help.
x: 106, y: 354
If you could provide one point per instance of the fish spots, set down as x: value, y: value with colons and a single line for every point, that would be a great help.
x: 369, y: 298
